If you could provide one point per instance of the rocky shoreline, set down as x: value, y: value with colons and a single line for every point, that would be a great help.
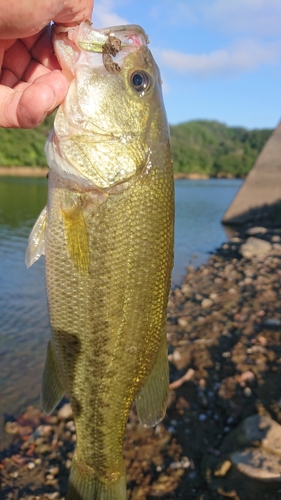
x: 221, y: 436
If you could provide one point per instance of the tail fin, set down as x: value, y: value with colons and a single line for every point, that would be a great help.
x: 82, y: 486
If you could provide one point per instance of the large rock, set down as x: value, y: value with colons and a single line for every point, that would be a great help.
x: 249, y: 465
x: 262, y: 430
x: 254, y: 247
x: 256, y: 463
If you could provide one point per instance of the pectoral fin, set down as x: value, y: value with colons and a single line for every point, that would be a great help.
x: 53, y: 388
x: 76, y: 237
x: 36, y: 241
x: 152, y: 399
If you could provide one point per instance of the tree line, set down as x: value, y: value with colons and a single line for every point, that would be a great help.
x: 214, y: 149
x: 199, y: 146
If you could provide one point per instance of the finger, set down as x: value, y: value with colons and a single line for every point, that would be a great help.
x: 4, y: 45
x: 30, y: 41
x: 28, y: 108
x: 18, y: 65
x: 54, y: 79
x: 33, y: 71
x: 25, y: 109
x: 16, y: 59
x: 35, y: 103
x: 74, y: 12
x: 8, y: 78
x: 20, y: 19
x: 57, y: 82
x: 41, y: 48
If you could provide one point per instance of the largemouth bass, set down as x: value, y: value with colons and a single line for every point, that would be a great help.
x: 107, y: 236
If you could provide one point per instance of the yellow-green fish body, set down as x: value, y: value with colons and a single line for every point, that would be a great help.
x: 108, y: 250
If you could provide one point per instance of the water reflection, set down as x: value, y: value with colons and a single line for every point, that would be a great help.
x: 24, y: 328
x: 21, y: 199
x: 200, y: 206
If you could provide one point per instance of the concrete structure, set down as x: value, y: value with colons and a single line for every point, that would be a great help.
x: 262, y: 187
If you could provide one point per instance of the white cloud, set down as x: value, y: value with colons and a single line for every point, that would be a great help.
x: 248, y: 17
x: 174, y: 14
x: 105, y: 16
x: 260, y: 17
x: 243, y: 57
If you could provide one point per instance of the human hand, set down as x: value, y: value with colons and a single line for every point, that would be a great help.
x: 31, y: 83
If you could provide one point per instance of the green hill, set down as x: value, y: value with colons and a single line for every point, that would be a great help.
x: 24, y: 147
x: 212, y: 148
x: 201, y: 146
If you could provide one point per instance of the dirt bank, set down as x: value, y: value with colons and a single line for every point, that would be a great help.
x: 24, y: 171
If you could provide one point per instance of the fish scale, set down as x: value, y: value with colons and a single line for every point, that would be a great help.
x: 109, y: 256
x: 120, y: 303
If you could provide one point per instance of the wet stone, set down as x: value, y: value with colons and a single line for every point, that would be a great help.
x: 256, y: 230
x: 12, y: 428
x: 206, y: 303
x: 257, y: 464
x: 254, y: 247
x: 65, y: 411
x: 182, y: 322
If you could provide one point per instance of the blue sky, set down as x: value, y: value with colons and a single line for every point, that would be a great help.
x: 219, y: 59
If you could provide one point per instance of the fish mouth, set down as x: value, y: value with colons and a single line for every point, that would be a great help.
x: 109, y: 45
x: 89, y: 38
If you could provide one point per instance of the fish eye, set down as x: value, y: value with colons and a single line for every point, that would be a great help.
x: 141, y: 81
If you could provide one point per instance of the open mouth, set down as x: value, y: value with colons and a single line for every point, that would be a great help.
x: 113, y: 44
x: 90, y: 39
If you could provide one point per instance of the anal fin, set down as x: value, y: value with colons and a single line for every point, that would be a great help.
x: 53, y: 387
x: 152, y: 399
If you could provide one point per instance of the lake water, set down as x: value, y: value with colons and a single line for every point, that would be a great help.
x: 24, y: 328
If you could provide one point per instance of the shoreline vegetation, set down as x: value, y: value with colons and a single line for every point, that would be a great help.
x: 202, y: 149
